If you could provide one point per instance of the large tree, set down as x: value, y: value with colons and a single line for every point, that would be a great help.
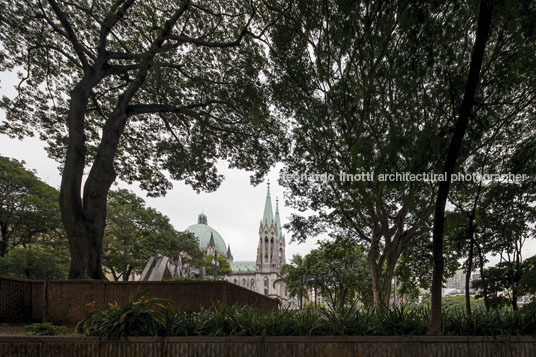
x: 339, y: 272
x: 376, y: 87
x: 135, y: 232
x: 146, y: 91
x: 368, y: 86
x: 28, y: 206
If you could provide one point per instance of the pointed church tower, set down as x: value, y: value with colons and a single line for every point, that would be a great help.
x: 281, y: 239
x: 277, y: 219
x: 270, y: 253
x: 211, y: 247
x: 229, y: 254
x: 268, y: 216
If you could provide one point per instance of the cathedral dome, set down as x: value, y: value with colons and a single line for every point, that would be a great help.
x: 203, y: 231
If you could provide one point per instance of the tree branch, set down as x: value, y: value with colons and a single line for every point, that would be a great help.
x: 136, y: 109
x: 78, y: 48
x: 112, y: 18
x: 213, y: 44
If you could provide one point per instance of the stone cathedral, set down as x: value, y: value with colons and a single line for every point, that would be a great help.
x: 260, y: 275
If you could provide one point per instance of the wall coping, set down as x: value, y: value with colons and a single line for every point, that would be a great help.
x: 275, y: 339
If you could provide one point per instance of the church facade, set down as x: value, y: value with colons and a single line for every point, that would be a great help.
x: 260, y: 275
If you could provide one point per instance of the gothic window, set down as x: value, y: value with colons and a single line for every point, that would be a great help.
x: 252, y: 282
x: 266, y: 285
x: 265, y: 249
x: 280, y: 253
x: 243, y: 282
x: 272, y: 249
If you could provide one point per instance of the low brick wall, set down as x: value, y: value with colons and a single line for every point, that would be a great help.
x: 524, y: 346
x: 21, y: 300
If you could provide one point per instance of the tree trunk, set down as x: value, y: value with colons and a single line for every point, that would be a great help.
x: 127, y: 273
x: 482, y: 32
x: 84, y: 218
x: 483, y: 277
x: 469, y: 267
x: 381, y: 282
x: 72, y: 212
x: 3, y: 241
x: 514, y: 299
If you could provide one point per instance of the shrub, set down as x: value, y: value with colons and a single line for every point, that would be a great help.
x: 137, y: 318
x: 44, y: 329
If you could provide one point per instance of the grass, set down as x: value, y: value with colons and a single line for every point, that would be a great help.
x: 44, y: 329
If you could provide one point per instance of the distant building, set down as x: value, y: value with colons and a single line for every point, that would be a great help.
x: 259, y: 275
x: 456, y: 284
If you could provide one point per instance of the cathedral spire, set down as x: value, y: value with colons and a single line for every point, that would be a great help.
x: 229, y: 254
x: 268, y: 216
x: 211, y: 241
x: 277, y: 219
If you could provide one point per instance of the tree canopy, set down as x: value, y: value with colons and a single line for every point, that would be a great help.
x: 375, y: 88
x: 337, y: 271
x: 137, y: 90
x: 28, y: 206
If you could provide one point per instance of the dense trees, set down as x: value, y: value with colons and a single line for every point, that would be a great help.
x: 135, y: 232
x: 134, y: 89
x: 28, y: 206
x: 337, y: 271
x: 35, y: 262
x: 377, y: 88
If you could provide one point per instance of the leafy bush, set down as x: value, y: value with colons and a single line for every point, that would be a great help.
x: 222, y: 320
x: 137, y: 318
x: 32, y: 262
x: 44, y: 329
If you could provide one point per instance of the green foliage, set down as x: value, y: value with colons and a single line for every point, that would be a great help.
x: 139, y: 317
x: 199, y: 101
x: 224, y: 268
x: 135, y: 232
x: 527, y: 282
x: 338, y: 269
x: 28, y: 206
x: 224, y: 320
x: 375, y: 88
x: 294, y: 275
x: 44, y: 329
x: 33, y: 262
x: 458, y: 303
x: 313, y: 305
x: 493, y: 322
